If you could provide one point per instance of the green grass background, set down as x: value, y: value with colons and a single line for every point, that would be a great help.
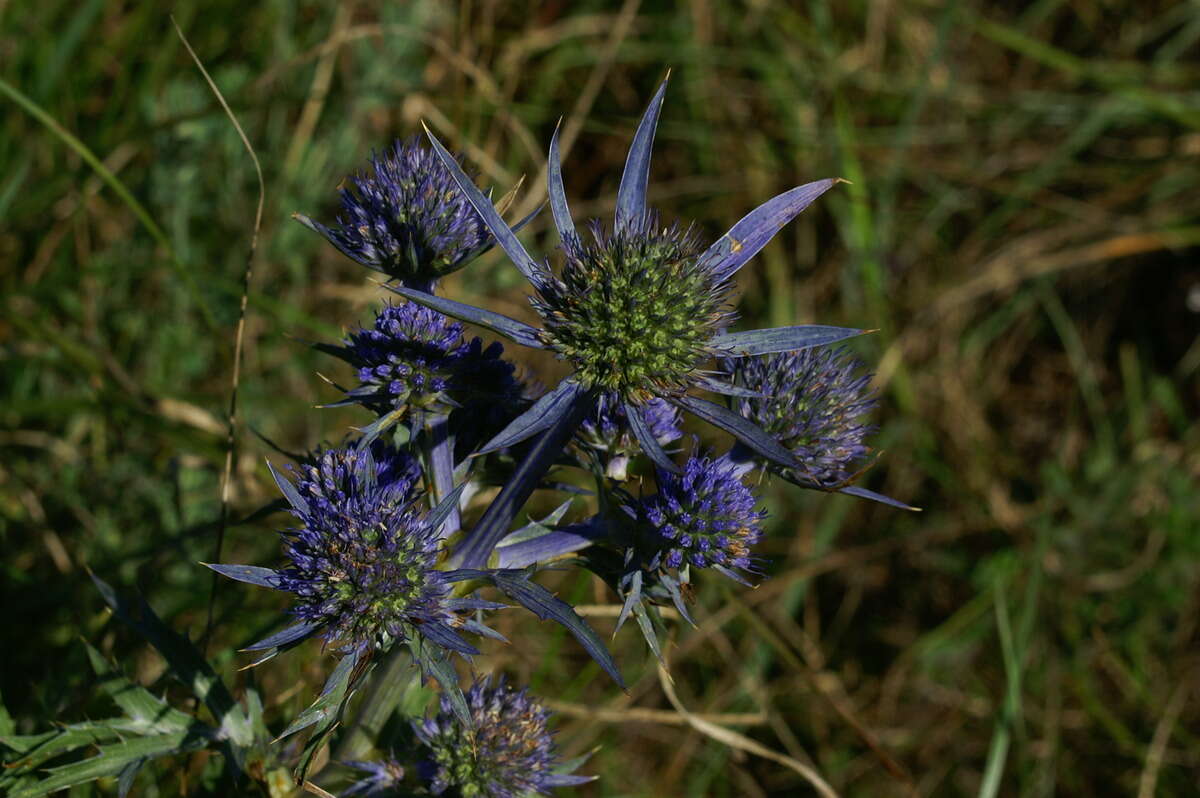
x: 1022, y: 227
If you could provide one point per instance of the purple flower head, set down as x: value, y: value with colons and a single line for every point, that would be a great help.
x: 506, y: 753
x: 406, y: 218
x: 337, y: 479
x: 815, y: 407
x: 383, y: 778
x: 414, y: 357
x: 408, y: 357
x: 363, y: 558
x: 704, y: 517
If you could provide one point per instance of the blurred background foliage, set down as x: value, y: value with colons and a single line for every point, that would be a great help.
x: 1022, y: 227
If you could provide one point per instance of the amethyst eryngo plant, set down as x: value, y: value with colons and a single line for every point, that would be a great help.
x: 378, y: 563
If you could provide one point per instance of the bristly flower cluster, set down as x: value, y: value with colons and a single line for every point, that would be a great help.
x: 413, y: 359
x: 363, y: 558
x: 505, y: 752
x: 637, y: 313
x: 406, y: 218
x: 362, y: 567
x: 704, y: 517
x: 635, y: 310
x: 814, y: 402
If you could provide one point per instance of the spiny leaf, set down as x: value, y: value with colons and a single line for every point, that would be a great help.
x: 755, y: 229
x: 745, y: 431
x: 329, y: 702
x: 558, y: 196
x: 188, y: 665
x: 250, y: 574
x: 483, y: 206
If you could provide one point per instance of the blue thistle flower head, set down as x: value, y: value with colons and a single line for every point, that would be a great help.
x: 406, y: 217
x: 338, y: 479
x: 414, y: 357
x: 407, y: 357
x: 814, y: 402
x: 704, y: 517
x: 363, y: 557
x: 507, y: 752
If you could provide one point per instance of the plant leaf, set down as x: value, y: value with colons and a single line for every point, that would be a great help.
x: 745, y: 431
x: 863, y: 493
x: 446, y: 506
x: 149, y: 714
x: 112, y: 759
x: 536, y: 529
x: 289, y: 490
x: 329, y: 236
x: 329, y: 702
x: 436, y: 663
x: 727, y: 389
x: 545, y: 605
x: 558, y: 196
x: 285, y: 637
x: 546, y: 547
x: 250, y: 574
x: 650, y: 445
x: 188, y: 665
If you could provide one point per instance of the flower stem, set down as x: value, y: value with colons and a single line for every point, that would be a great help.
x: 493, y: 526
x: 439, y: 457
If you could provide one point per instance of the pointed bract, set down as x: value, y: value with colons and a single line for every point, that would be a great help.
x: 500, y: 231
x: 544, y: 413
x: 645, y: 437
x: 863, y: 493
x: 516, y: 331
x: 631, y: 195
x: 755, y: 229
x: 558, y: 197
x: 780, y: 339
x: 250, y: 574
x: 738, y: 427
